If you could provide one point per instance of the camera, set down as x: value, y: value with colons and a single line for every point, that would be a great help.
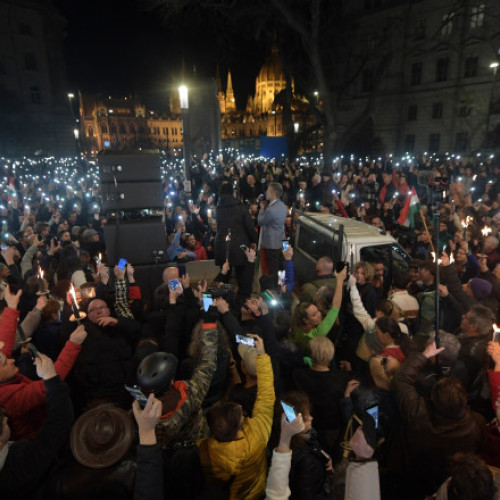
x: 340, y: 266
x: 225, y: 291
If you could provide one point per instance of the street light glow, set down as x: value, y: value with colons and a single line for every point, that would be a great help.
x: 183, y: 97
x: 494, y: 65
x: 71, y: 95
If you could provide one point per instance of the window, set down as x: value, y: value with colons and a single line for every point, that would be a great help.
x: 464, y: 111
x: 104, y: 128
x: 410, y: 143
x: 434, y: 140
x: 367, y: 80
x: 91, y: 131
x: 477, y: 16
x: 132, y: 128
x: 35, y: 95
x: 447, y: 25
x: 461, y: 141
x: 122, y: 128
x: 30, y: 61
x: 368, y: 42
x: 420, y: 29
x: 437, y: 111
x: 113, y: 128
x: 173, y: 131
x: 470, y: 69
x: 412, y: 112
x: 141, y: 129
x: 314, y: 243
x: 24, y: 29
x: 416, y: 73
x: 442, y: 69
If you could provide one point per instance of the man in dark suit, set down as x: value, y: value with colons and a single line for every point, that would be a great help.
x: 271, y: 219
x: 233, y: 216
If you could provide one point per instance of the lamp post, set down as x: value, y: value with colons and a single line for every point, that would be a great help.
x: 316, y: 95
x: 184, y: 102
x: 494, y: 67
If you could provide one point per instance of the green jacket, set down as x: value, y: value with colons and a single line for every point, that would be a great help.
x: 302, y: 338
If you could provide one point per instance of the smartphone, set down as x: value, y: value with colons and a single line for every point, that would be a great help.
x: 182, y: 270
x: 207, y: 301
x: 373, y: 412
x: 285, y: 244
x: 3, y: 247
x: 289, y: 411
x: 281, y: 277
x: 122, y: 264
x: 243, y: 339
x: 495, y: 335
x: 33, y: 349
x: 173, y: 284
x: 138, y: 395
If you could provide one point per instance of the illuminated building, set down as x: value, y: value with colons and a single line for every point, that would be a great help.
x: 125, y: 123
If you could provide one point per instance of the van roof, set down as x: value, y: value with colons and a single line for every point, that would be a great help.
x: 353, y: 229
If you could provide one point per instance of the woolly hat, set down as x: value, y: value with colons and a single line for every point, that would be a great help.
x: 481, y: 289
x: 249, y: 357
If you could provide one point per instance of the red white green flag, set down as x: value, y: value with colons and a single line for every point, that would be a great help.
x: 411, y: 207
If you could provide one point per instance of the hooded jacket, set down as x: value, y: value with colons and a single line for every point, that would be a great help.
x: 244, y: 460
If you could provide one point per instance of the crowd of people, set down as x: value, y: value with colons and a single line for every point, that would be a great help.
x: 253, y: 386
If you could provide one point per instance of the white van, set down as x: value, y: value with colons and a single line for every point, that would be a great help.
x: 317, y: 235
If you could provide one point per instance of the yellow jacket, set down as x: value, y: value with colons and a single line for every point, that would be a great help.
x: 244, y: 460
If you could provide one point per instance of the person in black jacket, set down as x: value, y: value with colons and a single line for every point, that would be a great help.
x: 24, y: 464
x: 149, y: 478
x: 233, y: 216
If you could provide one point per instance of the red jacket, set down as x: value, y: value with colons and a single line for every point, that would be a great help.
x: 22, y: 398
x: 199, y: 251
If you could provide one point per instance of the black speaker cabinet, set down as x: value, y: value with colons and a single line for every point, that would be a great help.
x: 131, y: 196
x: 139, y: 241
x: 129, y: 166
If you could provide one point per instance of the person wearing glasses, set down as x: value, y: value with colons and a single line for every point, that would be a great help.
x: 107, y: 359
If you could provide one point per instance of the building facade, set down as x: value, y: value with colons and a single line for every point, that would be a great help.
x: 124, y: 123
x: 34, y: 108
x: 438, y: 89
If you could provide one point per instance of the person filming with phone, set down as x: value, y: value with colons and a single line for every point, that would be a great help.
x: 236, y: 449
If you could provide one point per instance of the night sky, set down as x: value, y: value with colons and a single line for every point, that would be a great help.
x: 119, y: 47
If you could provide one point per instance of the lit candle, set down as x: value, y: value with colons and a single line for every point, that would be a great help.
x: 485, y: 232
x: 209, y: 213
x: 42, y: 283
x: 228, y: 244
x: 74, y: 303
x: 496, y: 331
x: 351, y: 257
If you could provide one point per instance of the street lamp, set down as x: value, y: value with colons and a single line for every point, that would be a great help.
x: 184, y: 103
x: 316, y: 95
x: 494, y: 66
x: 296, y: 127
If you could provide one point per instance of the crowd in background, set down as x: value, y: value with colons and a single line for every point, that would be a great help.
x: 334, y: 388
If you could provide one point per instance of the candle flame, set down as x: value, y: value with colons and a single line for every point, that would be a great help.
x: 73, y: 295
x: 486, y: 231
x: 452, y: 259
x: 496, y: 329
x: 434, y: 257
x: 41, y: 274
x: 100, y: 257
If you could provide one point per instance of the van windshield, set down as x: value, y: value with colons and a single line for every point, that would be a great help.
x: 386, y: 253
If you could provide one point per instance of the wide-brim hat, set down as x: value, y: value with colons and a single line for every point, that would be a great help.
x: 101, y: 437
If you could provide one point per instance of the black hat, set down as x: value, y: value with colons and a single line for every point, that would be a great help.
x: 156, y: 372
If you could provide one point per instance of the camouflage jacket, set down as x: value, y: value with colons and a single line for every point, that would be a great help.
x: 187, y: 421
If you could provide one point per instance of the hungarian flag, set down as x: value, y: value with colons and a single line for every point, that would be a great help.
x: 411, y: 207
x: 11, y: 189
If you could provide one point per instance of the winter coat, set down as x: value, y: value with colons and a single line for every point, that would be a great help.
x: 187, y: 421
x: 244, y: 460
x: 432, y: 438
x: 22, y: 398
x: 231, y: 214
